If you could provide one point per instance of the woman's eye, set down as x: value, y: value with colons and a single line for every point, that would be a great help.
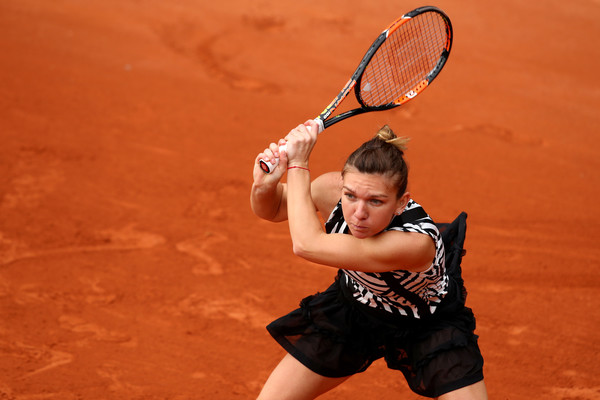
x: 376, y: 202
x: 349, y: 196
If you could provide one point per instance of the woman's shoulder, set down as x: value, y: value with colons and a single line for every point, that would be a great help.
x: 326, y: 191
x: 414, y: 218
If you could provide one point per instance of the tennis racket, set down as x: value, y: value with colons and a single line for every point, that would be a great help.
x: 403, y: 61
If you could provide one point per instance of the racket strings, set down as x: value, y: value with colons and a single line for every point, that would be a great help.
x: 404, y: 60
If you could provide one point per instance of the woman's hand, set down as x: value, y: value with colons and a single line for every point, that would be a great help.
x: 270, y: 154
x: 267, y: 197
x: 300, y: 142
x: 298, y: 145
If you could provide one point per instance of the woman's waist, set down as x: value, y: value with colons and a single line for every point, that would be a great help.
x: 393, y: 316
x: 397, y: 308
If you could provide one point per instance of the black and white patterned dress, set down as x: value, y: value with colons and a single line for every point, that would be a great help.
x: 418, y: 293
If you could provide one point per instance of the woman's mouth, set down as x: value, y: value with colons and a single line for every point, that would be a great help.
x: 359, y: 228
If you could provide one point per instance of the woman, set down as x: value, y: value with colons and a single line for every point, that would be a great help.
x: 392, y: 298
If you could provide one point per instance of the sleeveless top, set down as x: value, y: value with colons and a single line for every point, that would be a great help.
x: 400, y: 292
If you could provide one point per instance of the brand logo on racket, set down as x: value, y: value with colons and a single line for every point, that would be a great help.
x: 411, y: 94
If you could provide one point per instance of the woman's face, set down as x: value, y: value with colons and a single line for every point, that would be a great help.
x: 369, y: 202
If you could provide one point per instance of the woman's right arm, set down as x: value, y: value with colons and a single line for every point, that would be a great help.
x: 268, y: 197
x: 268, y: 194
x: 269, y: 202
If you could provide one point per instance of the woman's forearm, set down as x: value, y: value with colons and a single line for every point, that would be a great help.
x: 304, y: 223
x: 266, y: 202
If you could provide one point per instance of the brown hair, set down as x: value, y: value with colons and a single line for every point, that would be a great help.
x: 383, y: 155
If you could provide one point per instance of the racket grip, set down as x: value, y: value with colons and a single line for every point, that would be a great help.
x: 269, y: 166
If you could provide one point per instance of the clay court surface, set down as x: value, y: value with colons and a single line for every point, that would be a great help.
x: 131, y: 266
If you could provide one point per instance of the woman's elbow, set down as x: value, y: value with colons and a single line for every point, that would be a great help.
x: 297, y: 249
x: 308, y: 244
x: 301, y: 249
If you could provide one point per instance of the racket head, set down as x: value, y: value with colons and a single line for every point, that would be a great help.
x: 404, y: 59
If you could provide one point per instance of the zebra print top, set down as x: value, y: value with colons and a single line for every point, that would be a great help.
x: 370, y: 288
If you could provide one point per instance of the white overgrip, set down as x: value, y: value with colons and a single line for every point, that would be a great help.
x: 269, y: 166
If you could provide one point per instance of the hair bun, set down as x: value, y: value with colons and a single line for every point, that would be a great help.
x: 386, y: 134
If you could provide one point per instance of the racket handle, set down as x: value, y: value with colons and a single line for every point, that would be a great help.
x: 269, y: 166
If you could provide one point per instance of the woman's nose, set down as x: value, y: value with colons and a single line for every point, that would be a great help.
x: 361, y: 211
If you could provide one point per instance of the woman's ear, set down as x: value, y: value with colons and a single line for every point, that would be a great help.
x: 402, y: 202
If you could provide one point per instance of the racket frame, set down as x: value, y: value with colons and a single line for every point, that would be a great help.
x: 355, y: 81
x: 325, y: 120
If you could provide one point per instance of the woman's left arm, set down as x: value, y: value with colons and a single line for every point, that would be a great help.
x: 387, y: 251
x: 303, y: 220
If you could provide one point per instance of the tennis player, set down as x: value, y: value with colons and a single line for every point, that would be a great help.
x: 393, y: 296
